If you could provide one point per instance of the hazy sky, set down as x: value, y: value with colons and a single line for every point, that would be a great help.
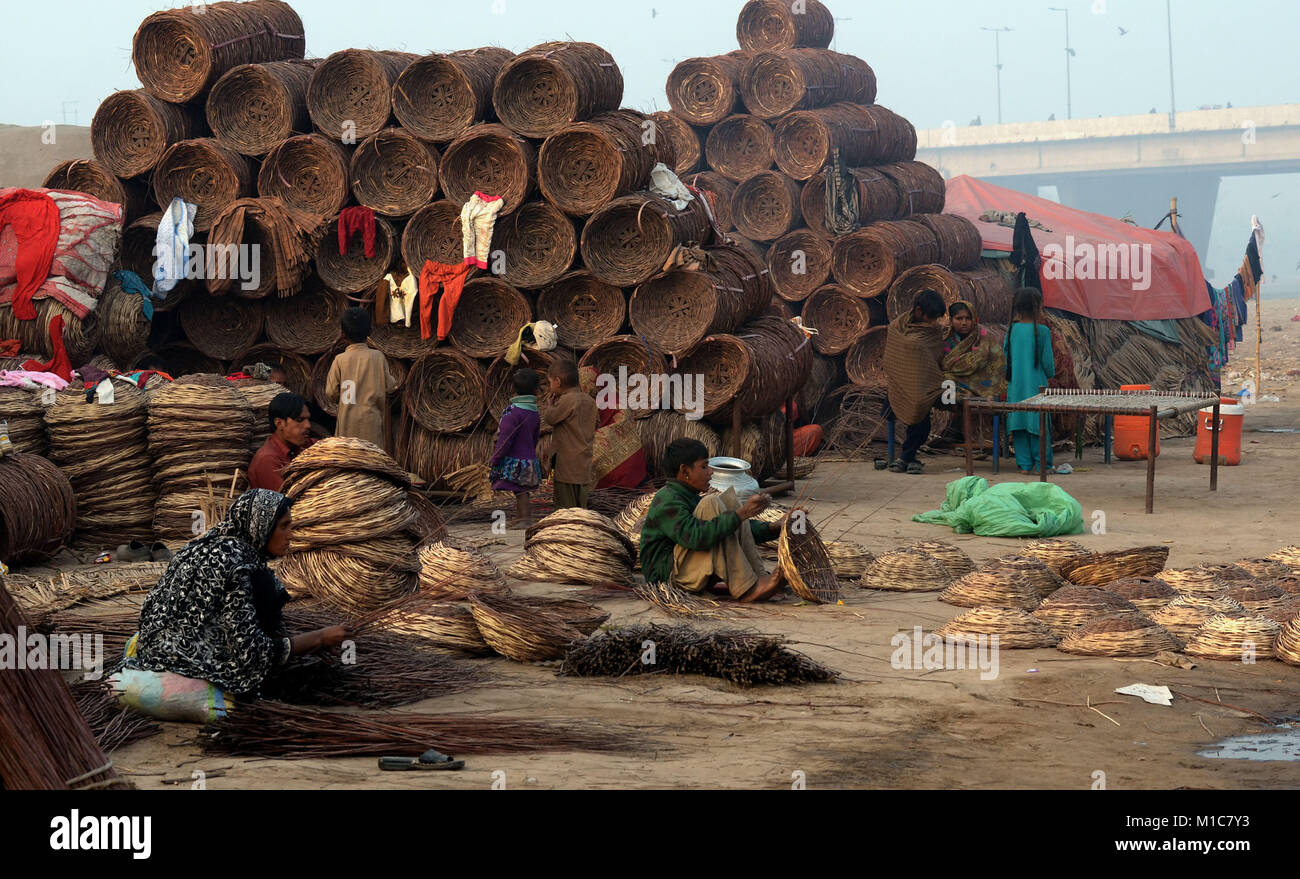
x: 931, y: 59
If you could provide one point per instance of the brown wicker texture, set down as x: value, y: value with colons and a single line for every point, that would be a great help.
x: 204, y: 172
x: 94, y: 178
x: 1284, y: 612
x: 773, y: 84
x: 584, y: 165
x: 37, y: 509
x: 275, y: 239
x: 1053, y: 551
x: 803, y: 141
x: 446, y: 391
x: 805, y: 562
x: 1187, y: 613
x: 489, y: 158
x: 309, y: 173
x: 1044, y: 580
x: 400, y: 341
x: 136, y: 254
x: 993, y: 588
x: 297, y: 370
x: 519, y: 631
x: 706, y: 90
x: 1289, y: 584
x: 576, y: 546
x: 538, y: 242
x: 632, y: 352
x: 959, y: 240
x: 434, y: 455
x: 80, y: 335
x: 259, y: 395
x: 1100, y: 568
x: 921, y: 189
x: 394, y: 173
x: 182, y: 358
x: 878, y: 199
x: 1264, y: 569
x: 132, y: 130
x: 908, y: 285
x: 676, y: 310
x: 661, y: 428
x: 766, y: 206
x: 772, y: 25
x: 990, y: 293
x: 221, y: 326
x: 308, y: 321
x: 433, y: 235
x: 629, y: 240
x: 488, y: 317
x: 739, y: 147
x: 1014, y: 629
x: 200, y: 430
x: 452, y: 569
x: 1235, y: 638
x: 839, y: 317
x: 584, y: 309
x: 544, y: 88
x: 906, y: 570
x: 253, y: 107
x: 1118, y: 635
x: 782, y: 360
x: 499, y: 384
x: 1147, y: 594
x: 826, y: 375
x: 438, y: 97
x: 123, y: 328
x: 951, y: 557
x: 725, y: 363
x: 1225, y: 571
x: 353, y: 272
x: 1257, y: 597
x: 799, y: 262
x: 758, y: 248
x: 23, y: 410
x: 1287, y: 555
x: 1287, y: 646
x: 718, y: 190
x: 350, y: 96
x: 865, y: 362
x: 1070, y: 607
x: 180, y: 53
x: 867, y: 261
x: 679, y: 145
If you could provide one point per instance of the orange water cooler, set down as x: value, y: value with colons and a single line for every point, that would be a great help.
x: 1232, y: 416
x: 1133, y: 432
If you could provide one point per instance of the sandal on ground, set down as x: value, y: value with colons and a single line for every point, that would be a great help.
x: 430, y: 759
x: 897, y: 466
x: 915, y: 467
x: 135, y: 551
x: 880, y: 463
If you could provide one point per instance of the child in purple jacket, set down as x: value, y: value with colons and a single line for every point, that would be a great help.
x: 514, y: 465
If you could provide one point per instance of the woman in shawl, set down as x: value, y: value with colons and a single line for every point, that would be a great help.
x: 215, y: 614
x: 972, y: 361
x: 913, y: 353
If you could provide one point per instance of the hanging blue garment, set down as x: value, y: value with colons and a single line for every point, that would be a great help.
x: 1238, y: 294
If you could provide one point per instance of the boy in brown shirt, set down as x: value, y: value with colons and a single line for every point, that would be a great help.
x: 360, y: 382
x: 571, y: 415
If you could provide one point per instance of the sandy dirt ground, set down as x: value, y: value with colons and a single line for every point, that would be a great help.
x: 881, y: 726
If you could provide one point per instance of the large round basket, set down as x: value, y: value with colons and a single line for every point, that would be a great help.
x: 586, y: 164
x: 297, y: 370
x: 718, y: 190
x: 253, y: 107
x: 739, y: 147
x: 867, y: 261
x: 675, y: 310
x: 584, y: 309
x: 781, y: 362
x: 204, y: 172
x: 446, y: 391
x: 308, y: 173
x: 399, y: 340
x: 878, y: 199
x: 802, y: 142
x: 676, y: 143
x: 921, y: 189
x: 433, y: 235
x: 354, y: 272
x: 37, y: 508
x: 394, y: 173
x: 221, y: 326
x: 865, y: 362
x: 839, y: 317
x: 132, y: 130
x: 773, y: 84
x: 438, y: 97
x: 773, y: 25
x: 724, y: 361
x: 539, y: 243
x: 766, y: 206
x: 629, y: 240
x: 806, y: 563
x: 350, y: 93
x: 94, y: 178
x: 489, y: 158
x: 991, y: 294
x: 488, y: 317
x: 906, y: 287
x: 704, y: 91
x: 799, y: 262
x: 633, y: 353
x: 308, y: 321
x: 544, y: 88
x: 123, y: 328
x: 959, y: 240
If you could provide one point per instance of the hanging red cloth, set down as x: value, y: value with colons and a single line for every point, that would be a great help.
x: 452, y: 279
x: 34, y: 217
x: 357, y: 219
x: 60, y: 365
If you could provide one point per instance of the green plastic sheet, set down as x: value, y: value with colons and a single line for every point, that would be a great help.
x: 1011, y: 509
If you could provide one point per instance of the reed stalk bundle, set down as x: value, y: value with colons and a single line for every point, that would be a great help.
x: 25, y: 414
x: 37, y: 509
x: 520, y: 631
x: 279, y: 238
x: 576, y: 546
x: 450, y: 570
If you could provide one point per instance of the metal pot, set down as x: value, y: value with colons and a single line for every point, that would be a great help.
x: 733, y: 473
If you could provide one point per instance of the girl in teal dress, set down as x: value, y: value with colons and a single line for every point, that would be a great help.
x: 1028, y: 349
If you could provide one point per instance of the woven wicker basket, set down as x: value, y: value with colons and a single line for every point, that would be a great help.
x: 308, y: 322
x: 1070, y: 607
x: 394, y: 173
x: 739, y: 147
x: 438, y: 97
x: 1257, y: 597
x: 586, y: 164
x: 773, y: 25
x: 350, y: 92
x: 717, y: 191
x: 1044, y: 580
x: 552, y: 84
x: 902, y: 294
x: 1118, y: 635
x: 451, y: 570
x: 253, y: 107
x: 839, y: 317
x: 1013, y: 628
x: 354, y: 272
x: 447, y: 391
x: 878, y: 199
x: 630, y: 239
x: 1193, y: 581
x: 1053, y: 552
x: 132, y: 130
x: 221, y: 326
x: 1187, y: 613
x: 996, y: 589
x: 539, y: 243
x: 206, y: 173
x: 309, y: 173
x: 953, y: 559
x: 433, y: 234
x: 806, y: 563
x: 1146, y: 593
x: 1235, y: 638
x: 1287, y: 646
x: 906, y: 570
x: 1100, y: 568
x: 865, y: 361
x: 489, y: 158
x: 867, y: 261
x: 765, y: 206
x: 585, y: 310
x: 704, y: 91
x: 488, y: 317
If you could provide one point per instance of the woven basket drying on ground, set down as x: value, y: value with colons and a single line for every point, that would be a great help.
x: 488, y: 316
x: 132, y: 129
x: 1289, y: 584
x: 867, y: 261
x: 739, y: 147
x: 1193, y: 581
x: 1256, y: 597
x: 906, y: 570
x: 585, y: 310
x: 1044, y: 580
x: 1014, y: 628
x: 849, y: 559
x: 452, y: 569
x: 1226, y: 571
x: 586, y: 164
x: 1118, y: 635
x: 394, y: 173
x: 631, y: 238
x: 37, y: 509
x: 489, y: 158
x: 544, y: 88
x: 447, y: 391
x: 773, y: 84
x: 1264, y: 569
x: 1187, y: 613
x: 93, y: 178
x: 994, y: 588
x: 956, y: 562
x: 773, y: 25
x: 1287, y: 555
x: 802, y: 142
x: 1287, y: 646
x: 1284, y: 612
x: 765, y: 206
x: 1100, y: 568
x: 1053, y: 552
x: 438, y: 97
x: 1235, y: 638
x: 1072, y: 606
x: 703, y: 91
x: 253, y: 107
x: 799, y: 263
x: 205, y: 172
x: 520, y: 631
x: 350, y: 93
x: 354, y: 272
x: 1147, y: 594
x: 539, y: 243
x: 309, y: 173
x: 23, y: 411
x: 575, y: 546
x: 806, y: 564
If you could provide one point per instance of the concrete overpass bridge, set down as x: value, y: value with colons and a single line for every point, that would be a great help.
x: 1126, y: 164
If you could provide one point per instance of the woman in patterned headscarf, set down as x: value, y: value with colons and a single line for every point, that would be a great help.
x: 215, y: 614
x: 972, y: 360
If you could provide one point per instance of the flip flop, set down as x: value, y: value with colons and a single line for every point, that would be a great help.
x: 135, y: 551
x: 915, y: 467
x: 159, y: 552
x: 429, y: 760
x: 897, y: 467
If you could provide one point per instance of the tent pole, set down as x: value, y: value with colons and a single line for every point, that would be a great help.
x: 1259, y: 336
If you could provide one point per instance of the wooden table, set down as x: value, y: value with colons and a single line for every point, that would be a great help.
x: 1152, y: 404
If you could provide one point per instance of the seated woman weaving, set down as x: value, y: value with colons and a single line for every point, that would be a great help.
x: 215, y: 614
x: 693, y: 542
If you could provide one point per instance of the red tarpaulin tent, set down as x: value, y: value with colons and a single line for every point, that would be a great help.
x: 1093, y: 265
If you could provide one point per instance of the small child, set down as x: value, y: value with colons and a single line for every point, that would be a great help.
x: 514, y: 465
x: 572, y: 417
x: 1030, y: 365
x: 360, y: 382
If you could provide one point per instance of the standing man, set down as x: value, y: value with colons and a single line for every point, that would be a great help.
x: 572, y: 418
x: 290, y: 422
x: 360, y: 382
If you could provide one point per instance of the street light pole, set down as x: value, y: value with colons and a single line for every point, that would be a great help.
x: 1068, y: 53
x: 997, y: 50
x: 1169, y: 22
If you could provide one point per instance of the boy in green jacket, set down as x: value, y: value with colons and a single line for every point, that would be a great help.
x: 693, y: 542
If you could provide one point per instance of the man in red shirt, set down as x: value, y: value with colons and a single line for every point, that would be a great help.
x: 290, y: 422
